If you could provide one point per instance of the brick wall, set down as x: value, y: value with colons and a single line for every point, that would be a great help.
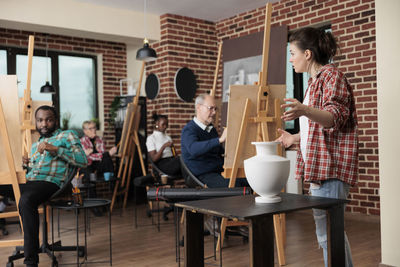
x: 114, y: 60
x: 353, y: 22
x: 185, y: 42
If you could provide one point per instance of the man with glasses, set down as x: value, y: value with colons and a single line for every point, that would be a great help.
x: 202, y: 149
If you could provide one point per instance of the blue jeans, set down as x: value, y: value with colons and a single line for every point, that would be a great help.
x: 331, y: 188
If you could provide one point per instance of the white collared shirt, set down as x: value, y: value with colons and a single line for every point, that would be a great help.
x: 204, y: 127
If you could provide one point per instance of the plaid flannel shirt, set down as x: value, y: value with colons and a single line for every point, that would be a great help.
x: 331, y: 152
x: 55, y: 168
x: 87, y: 144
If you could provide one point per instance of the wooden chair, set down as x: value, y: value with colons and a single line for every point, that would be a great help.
x: 46, y: 247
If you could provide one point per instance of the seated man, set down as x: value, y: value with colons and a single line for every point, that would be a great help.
x: 52, y: 159
x: 201, y: 147
x: 99, y: 160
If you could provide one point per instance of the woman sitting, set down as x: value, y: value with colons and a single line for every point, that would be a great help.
x: 160, y: 147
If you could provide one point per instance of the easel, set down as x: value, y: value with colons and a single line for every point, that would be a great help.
x: 218, y: 102
x: 261, y: 106
x: 10, y: 171
x: 128, y: 145
x: 27, y: 125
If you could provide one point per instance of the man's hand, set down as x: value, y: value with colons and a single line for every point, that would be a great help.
x: 44, y: 146
x: 25, y: 160
x: 222, y: 138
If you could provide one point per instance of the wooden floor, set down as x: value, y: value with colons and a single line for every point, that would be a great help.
x: 145, y: 246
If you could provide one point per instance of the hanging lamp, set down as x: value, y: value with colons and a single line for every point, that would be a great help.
x: 146, y: 53
x: 47, y: 88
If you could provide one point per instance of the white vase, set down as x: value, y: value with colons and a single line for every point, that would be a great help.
x: 267, y: 173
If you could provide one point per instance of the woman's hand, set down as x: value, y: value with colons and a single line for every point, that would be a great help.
x: 287, y: 139
x: 88, y: 151
x: 296, y: 110
x: 167, y: 144
x: 113, y: 151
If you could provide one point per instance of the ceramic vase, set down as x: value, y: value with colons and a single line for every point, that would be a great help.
x: 267, y: 173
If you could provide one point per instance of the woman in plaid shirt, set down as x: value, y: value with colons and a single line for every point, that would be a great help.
x: 328, y: 155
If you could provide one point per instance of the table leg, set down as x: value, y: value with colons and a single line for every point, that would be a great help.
x: 261, y: 241
x: 194, y: 239
x: 336, y: 250
x: 77, y: 237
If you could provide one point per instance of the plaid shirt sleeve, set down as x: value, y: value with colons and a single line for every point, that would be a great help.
x: 331, y: 152
x: 54, y: 167
x: 87, y: 144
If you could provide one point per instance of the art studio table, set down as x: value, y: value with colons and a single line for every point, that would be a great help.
x: 261, y: 225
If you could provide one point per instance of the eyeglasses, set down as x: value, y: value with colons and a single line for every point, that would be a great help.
x: 91, y: 128
x: 210, y: 108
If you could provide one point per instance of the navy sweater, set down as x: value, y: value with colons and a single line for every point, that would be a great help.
x: 201, y: 151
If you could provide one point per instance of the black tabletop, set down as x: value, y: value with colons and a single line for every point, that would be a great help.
x: 87, y: 203
x: 244, y: 207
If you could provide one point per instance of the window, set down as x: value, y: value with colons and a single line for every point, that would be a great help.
x: 77, y: 78
x: 73, y: 76
x: 38, y: 78
x: 3, y: 62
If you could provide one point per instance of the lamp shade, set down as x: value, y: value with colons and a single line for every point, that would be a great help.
x: 146, y: 53
x: 47, y: 88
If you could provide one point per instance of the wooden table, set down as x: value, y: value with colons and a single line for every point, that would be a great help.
x: 261, y: 226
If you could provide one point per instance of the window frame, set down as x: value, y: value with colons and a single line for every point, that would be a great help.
x: 12, y: 53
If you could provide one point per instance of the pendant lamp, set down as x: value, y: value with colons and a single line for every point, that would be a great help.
x: 146, y: 53
x: 47, y: 88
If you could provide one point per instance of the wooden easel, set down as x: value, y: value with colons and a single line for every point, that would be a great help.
x: 128, y: 145
x: 18, y: 122
x: 10, y: 171
x: 27, y: 125
x: 265, y: 125
x: 218, y: 102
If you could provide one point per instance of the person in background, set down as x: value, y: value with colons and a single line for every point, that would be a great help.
x: 328, y: 155
x: 99, y: 160
x: 160, y: 147
x: 53, y: 157
x: 202, y: 149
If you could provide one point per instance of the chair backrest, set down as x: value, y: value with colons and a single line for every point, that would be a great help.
x: 190, y: 179
x: 158, y: 172
x: 71, y: 174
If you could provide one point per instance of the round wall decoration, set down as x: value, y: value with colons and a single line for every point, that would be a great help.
x: 152, y: 86
x: 185, y: 84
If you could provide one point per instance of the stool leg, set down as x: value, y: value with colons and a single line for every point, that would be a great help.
x: 109, y: 229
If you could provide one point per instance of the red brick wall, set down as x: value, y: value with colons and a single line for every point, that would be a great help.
x: 114, y: 60
x: 353, y: 22
x: 185, y: 42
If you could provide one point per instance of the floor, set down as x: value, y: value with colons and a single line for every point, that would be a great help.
x: 145, y: 246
